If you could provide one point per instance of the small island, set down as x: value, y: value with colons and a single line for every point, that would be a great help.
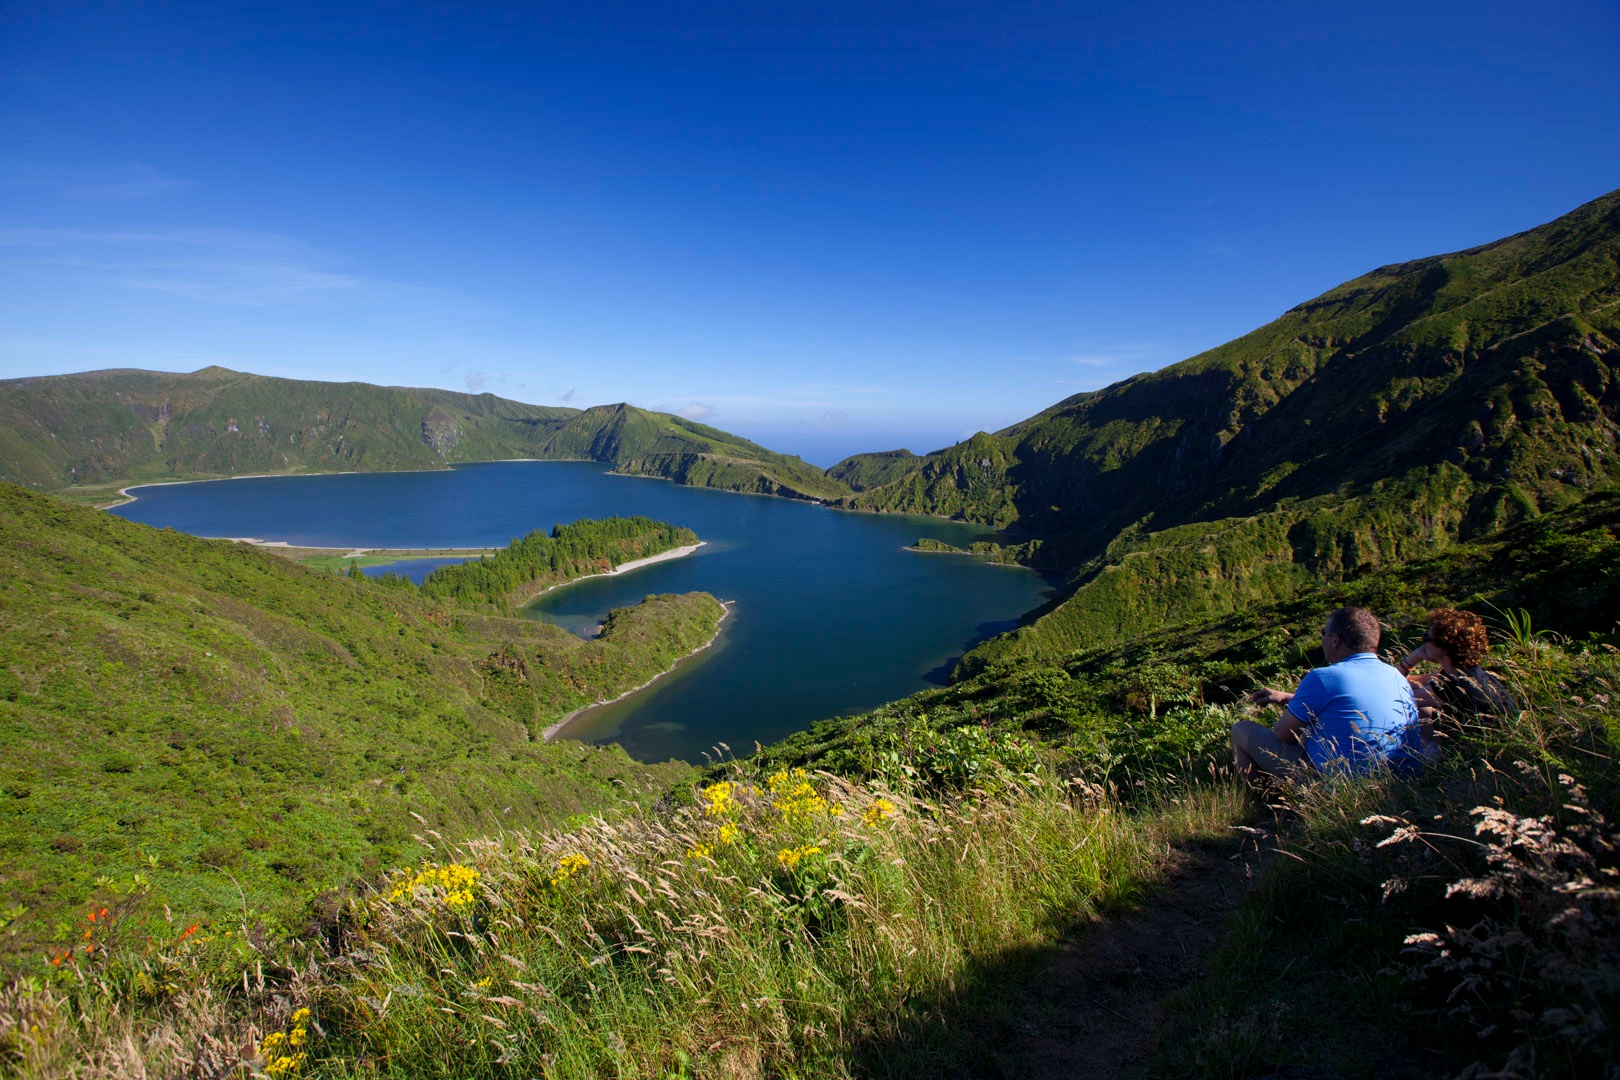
x: 978, y: 549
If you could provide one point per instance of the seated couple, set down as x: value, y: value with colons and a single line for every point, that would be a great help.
x: 1359, y: 713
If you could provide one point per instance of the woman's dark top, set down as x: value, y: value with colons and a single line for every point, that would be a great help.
x: 1475, y: 692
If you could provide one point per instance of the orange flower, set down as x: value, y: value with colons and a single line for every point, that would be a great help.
x: 192, y: 929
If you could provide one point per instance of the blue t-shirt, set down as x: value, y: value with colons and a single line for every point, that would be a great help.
x: 1358, y: 714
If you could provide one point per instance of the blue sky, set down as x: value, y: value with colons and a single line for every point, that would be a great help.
x: 830, y: 229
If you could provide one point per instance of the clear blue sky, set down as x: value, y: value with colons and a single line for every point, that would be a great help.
x: 831, y: 229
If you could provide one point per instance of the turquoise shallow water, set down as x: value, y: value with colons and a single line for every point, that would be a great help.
x: 830, y: 615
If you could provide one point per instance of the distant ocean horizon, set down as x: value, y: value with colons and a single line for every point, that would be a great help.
x: 830, y: 616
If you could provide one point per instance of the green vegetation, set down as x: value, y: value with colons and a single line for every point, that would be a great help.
x: 864, y: 471
x: 982, y: 549
x: 130, y: 426
x: 1417, y: 406
x: 534, y: 563
x: 86, y: 435
x: 773, y: 925
x: 1136, y: 707
x: 236, y: 729
x: 341, y: 561
x: 773, y: 921
x: 969, y: 480
x: 873, y: 896
x: 642, y: 443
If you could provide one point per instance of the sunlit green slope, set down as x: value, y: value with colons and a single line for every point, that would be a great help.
x: 70, y: 431
x: 644, y: 443
x: 1417, y: 405
x: 1139, y: 704
x: 216, y: 717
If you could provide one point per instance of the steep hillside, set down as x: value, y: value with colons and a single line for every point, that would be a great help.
x: 1096, y: 703
x: 643, y: 443
x: 72, y: 431
x: 864, y: 471
x: 1420, y: 404
x: 217, y: 718
x: 1025, y: 874
x: 130, y: 425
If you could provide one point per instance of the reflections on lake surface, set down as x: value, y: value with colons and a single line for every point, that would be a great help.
x: 830, y: 615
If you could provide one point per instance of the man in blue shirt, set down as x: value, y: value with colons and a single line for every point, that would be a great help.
x: 1350, y: 717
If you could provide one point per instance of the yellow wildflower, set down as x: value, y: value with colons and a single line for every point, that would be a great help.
x: 880, y: 810
x: 720, y: 799
x: 568, y: 866
x: 277, y: 1062
x: 701, y: 851
x: 283, y: 1065
x: 788, y: 858
x: 799, y: 800
x: 727, y: 834
x: 456, y: 880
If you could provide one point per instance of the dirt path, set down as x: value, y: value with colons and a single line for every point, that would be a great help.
x: 1095, y: 1007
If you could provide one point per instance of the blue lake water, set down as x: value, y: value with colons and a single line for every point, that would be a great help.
x: 830, y: 615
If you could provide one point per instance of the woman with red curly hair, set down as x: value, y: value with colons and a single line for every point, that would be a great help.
x: 1456, y: 640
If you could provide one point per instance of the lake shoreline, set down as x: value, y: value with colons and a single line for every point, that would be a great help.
x: 797, y: 573
x: 554, y: 731
x: 623, y: 568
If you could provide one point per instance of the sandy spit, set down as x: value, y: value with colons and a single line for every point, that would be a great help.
x: 552, y: 732
x: 625, y: 568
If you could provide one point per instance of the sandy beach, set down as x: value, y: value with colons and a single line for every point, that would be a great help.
x: 633, y: 564
x: 554, y: 730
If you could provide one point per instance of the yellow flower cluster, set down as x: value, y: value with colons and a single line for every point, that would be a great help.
x: 880, y: 810
x: 795, y: 797
x: 788, y: 858
x: 720, y: 799
x: 568, y: 866
x: 456, y: 880
x: 280, y: 1049
x: 725, y: 835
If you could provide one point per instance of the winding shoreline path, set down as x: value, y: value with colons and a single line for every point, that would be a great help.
x: 551, y: 733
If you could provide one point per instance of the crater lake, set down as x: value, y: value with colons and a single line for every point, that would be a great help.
x: 830, y: 615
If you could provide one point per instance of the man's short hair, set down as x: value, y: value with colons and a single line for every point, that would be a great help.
x: 1356, y: 627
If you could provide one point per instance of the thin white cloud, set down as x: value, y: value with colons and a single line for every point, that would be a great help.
x: 796, y: 398
x: 1133, y: 355
x: 114, y: 181
x: 220, y: 266
x: 697, y: 410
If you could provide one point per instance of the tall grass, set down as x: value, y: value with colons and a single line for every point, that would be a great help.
x: 773, y: 926
x: 1464, y: 922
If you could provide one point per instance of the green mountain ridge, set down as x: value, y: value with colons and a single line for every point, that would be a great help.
x: 1418, y: 405
x: 125, y: 426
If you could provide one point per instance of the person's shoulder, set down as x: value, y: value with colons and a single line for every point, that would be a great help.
x: 1369, y: 663
x: 1310, y: 693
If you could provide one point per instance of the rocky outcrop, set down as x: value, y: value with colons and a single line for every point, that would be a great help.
x: 440, y: 432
